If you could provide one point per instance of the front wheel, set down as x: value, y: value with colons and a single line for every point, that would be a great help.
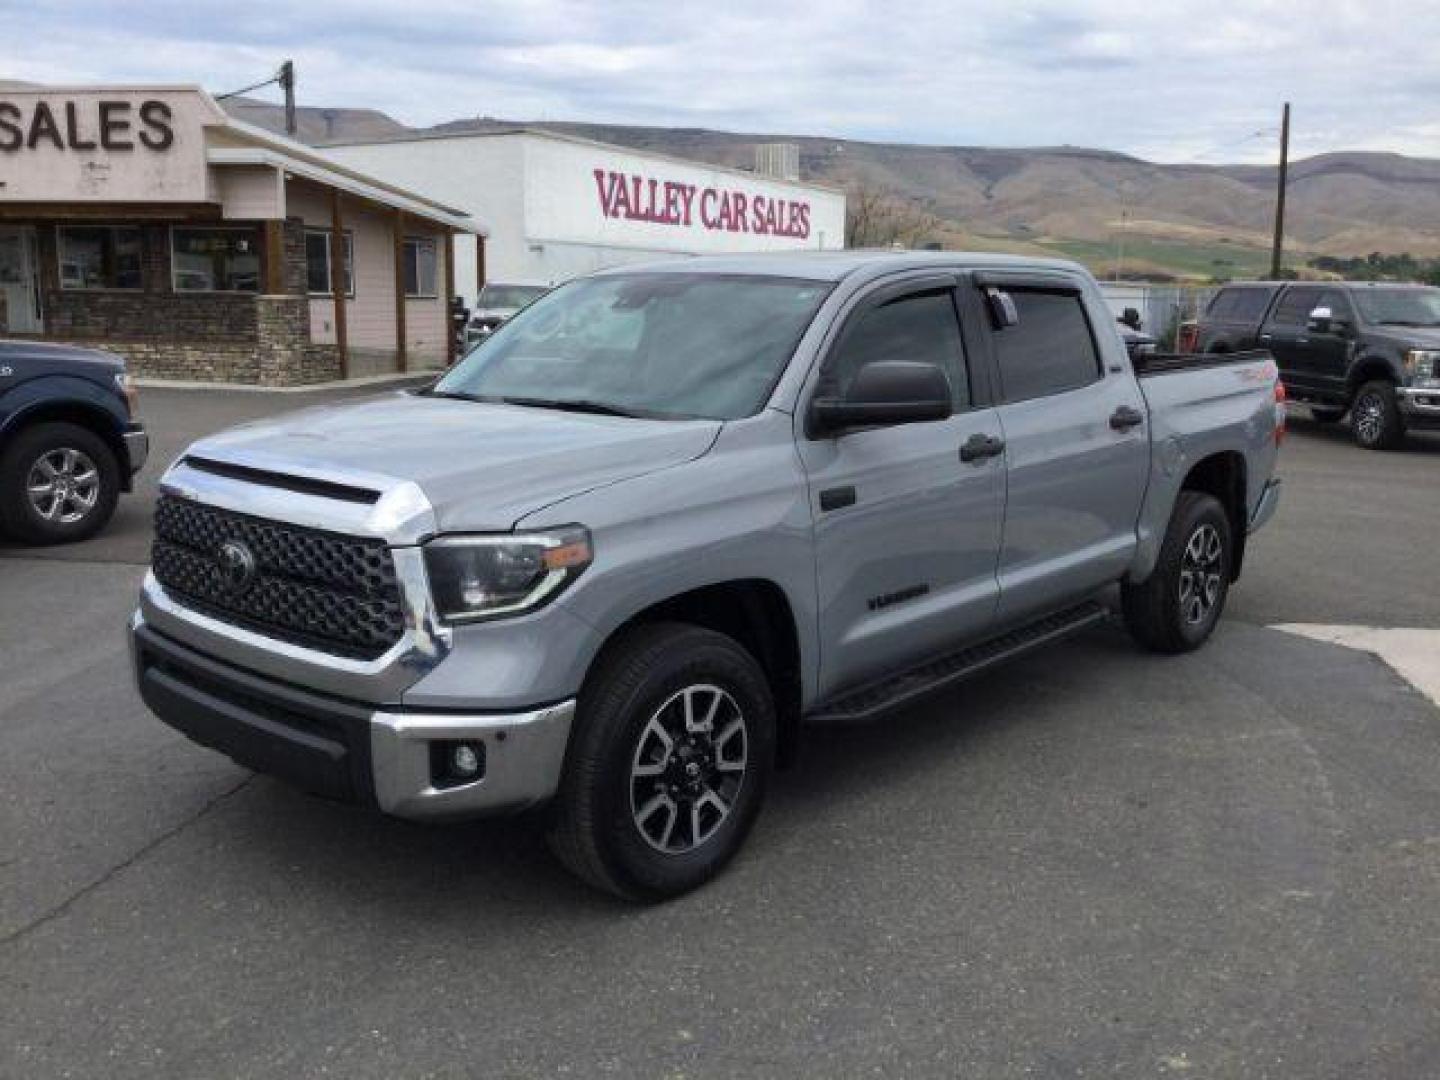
x: 668, y: 765
x: 58, y: 483
x: 1176, y: 608
x: 1375, y: 417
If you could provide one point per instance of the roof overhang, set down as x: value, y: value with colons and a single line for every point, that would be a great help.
x: 350, y: 183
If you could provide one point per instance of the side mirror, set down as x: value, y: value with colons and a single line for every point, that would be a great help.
x: 1322, y: 320
x: 883, y: 393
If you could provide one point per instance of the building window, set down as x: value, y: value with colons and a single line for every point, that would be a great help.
x: 216, y: 260
x: 420, y: 267
x: 317, y: 263
x: 100, y: 257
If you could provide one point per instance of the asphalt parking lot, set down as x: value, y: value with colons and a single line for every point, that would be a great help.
x: 1094, y: 862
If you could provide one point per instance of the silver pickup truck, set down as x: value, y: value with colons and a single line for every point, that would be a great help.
x: 612, y: 562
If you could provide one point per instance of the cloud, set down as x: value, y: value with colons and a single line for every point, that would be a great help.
x: 1165, y: 80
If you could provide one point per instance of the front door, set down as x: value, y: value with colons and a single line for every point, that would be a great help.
x: 1323, y: 361
x: 1076, y: 447
x: 1287, y: 336
x: 906, y: 531
x: 19, y: 281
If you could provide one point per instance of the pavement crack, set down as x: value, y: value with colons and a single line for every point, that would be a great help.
x: 120, y: 867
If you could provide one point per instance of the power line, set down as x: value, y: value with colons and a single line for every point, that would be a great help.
x: 285, y: 77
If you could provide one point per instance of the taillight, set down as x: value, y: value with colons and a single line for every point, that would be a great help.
x: 1280, y: 412
x: 1188, y: 338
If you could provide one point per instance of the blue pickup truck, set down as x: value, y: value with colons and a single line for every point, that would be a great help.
x: 70, y: 440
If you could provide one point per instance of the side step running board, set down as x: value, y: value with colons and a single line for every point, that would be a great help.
x: 895, y: 691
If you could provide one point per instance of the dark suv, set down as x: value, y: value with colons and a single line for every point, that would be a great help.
x: 69, y: 440
x: 1369, y: 350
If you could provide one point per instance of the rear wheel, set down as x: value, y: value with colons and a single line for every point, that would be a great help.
x: 58, y: 483
x: 1175, y: 610
x: 1375, y: 417
x: 673, y: 749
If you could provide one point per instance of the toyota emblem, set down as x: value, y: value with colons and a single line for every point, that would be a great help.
x: 236, y: 565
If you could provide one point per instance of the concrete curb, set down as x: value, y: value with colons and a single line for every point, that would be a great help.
x: 334, y: 384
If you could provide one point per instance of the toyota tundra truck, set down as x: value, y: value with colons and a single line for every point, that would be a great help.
x: 610, y: 564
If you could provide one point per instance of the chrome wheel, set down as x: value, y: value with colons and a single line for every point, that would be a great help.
x: 1368, y: 416
x: 688, y: 768
x: 1200, y: 571
x: 63, y: 485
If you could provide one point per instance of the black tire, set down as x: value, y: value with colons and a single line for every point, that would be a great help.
x: 1375, y: 419
x: 598, y: 826
x: 1326, y: 416
x: 88, y: 506
x: 1161, y: 612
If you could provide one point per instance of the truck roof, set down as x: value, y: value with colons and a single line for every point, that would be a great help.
x: 837, y: 265
x: 1327, y: 284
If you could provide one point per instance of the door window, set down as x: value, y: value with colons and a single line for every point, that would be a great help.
x: 920, y: 327
x: 1049, y: 349
x: 1295, y: 307
x: 1338, y: 303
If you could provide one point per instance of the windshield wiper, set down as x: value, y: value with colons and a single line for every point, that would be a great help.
x: 578, y: 405
x: 586, y: 405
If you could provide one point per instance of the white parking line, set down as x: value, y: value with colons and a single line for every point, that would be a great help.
x: 1413, y: 653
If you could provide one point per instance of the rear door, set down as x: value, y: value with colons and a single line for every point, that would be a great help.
x: 906, y: 531
x: 1287, y: 335
x: 1077, y: 448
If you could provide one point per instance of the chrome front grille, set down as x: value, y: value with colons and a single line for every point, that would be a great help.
x: 327, y: 591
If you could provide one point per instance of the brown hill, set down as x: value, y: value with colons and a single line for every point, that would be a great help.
x: 1189, y: 220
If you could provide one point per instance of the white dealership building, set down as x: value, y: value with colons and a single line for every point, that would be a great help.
x: 556, y: 206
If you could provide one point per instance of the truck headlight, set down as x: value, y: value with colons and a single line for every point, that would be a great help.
x: 489, y: 577
x: 1423, y: 365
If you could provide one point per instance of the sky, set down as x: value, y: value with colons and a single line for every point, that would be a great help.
x: 1166, y: 81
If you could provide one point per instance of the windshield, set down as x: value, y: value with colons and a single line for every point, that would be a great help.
x: 509, y: 296
x: 1399, y: 307
x: 667, y: 345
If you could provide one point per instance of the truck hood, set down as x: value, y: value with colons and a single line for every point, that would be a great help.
x: 1409, y: 337
x: 482, y: 466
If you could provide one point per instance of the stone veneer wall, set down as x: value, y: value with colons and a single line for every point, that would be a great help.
x: 208, y: 337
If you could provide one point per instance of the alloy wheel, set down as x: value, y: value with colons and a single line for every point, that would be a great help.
x: 1200, y: 570
x: 63, y: 485
x: 1369, y: 417
x: 688, y: 768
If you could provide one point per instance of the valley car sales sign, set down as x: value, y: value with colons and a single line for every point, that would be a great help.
x: 641, y: 197
x: 590, y: 194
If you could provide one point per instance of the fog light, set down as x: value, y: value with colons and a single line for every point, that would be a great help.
x: 456, y: 763
x: 464, y: 761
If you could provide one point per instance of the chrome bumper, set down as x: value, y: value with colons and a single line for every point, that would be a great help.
x: 347, y: 750
x: 1269, y: 499
x: 137, y: 448
x: 524, y: 755
x: 1418, y: 404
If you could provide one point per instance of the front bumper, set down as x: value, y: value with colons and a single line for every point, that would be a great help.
x: 1421, y: 408
x: 137, y: 448
x: 348, y: 750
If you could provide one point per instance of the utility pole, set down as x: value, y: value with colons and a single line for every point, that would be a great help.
x: 286, y: 79
x: 1278, y: 251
